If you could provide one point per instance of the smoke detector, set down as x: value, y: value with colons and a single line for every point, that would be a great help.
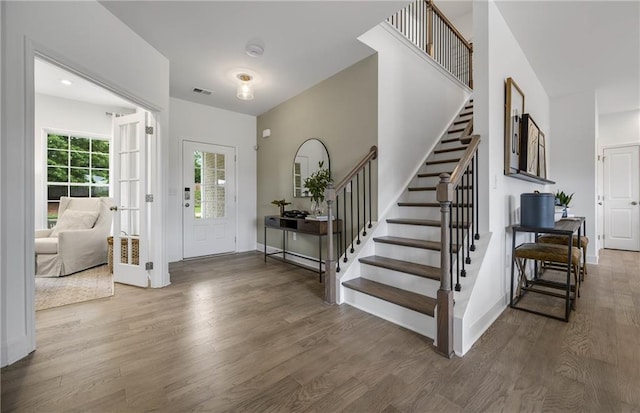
x: 254, y: 50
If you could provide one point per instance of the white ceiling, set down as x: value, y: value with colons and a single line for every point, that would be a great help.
x: 581, y: 46
x: 48, y: 79
x: 304, y: 43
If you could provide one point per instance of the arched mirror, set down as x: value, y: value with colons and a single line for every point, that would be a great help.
x: 310, y: 154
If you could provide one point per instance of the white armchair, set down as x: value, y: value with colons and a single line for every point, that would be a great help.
x: 78, y: 240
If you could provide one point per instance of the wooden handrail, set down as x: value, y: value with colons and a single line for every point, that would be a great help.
x: 373, y: 154
x: 467, y: 157
x: 448, y: 23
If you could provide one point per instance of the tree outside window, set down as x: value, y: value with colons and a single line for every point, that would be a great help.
x: 76, y: 166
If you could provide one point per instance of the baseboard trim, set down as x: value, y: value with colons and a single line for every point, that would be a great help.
x: 15, y: 350
x: 478, y: 328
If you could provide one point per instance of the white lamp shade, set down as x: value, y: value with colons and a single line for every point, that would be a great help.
x: 245, y: 91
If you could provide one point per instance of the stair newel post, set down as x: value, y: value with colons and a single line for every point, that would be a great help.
x: 444, y: 320
x: 330, y: 263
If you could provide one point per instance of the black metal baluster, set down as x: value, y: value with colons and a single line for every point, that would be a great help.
x: 475, y: 174
x: 364, y: 201
x: 358, y: 205
x: 370, y: 196
x: 344, y: 221
x: 461, y: 252
x: 468, y: 207
x: 472, y: 226
x: 457, y: 206
x: 350, y: 185
x: 339, y: 243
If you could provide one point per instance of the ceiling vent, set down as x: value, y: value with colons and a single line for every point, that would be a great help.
x: 202, y: 91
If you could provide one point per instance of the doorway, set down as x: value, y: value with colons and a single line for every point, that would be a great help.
x: 74, y: 156
x: 621, y: 197
x: 208, y: 199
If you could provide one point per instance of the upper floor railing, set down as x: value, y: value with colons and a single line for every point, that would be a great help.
x: 429, y: 29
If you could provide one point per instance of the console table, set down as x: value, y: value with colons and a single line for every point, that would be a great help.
x: 301, y: 226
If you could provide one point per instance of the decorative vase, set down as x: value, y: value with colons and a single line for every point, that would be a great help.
x: 565, y: 212
x: 317, y: 207
x: 281, y: 210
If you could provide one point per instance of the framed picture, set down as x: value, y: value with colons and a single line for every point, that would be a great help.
x: 529, y: 145
x: 514, y: 109
x: 542, y: 156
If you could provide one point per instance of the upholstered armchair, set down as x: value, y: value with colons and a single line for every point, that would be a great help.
x: 78, y: 240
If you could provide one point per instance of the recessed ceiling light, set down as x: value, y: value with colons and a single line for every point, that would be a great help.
x: 254, y: 50
x: 66, y: 82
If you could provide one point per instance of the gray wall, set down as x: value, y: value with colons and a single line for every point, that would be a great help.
x: 342, y: 112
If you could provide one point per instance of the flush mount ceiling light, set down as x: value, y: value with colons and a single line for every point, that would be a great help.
x: 66, y: 82
x: 245, y: 90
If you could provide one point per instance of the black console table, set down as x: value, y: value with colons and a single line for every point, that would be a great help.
x: 301, y: 226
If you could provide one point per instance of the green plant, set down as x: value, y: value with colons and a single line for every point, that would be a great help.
x: 563, y: 199
x: 317, y: 182
x: 281, y: 203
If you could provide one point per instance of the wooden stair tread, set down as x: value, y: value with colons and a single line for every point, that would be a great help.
x: 466, y: 114
x: 459, y: 122
x: 456, y: 130
x: 422, y: 222
x: 432, y: 174
x: 456, y: 149
x: 421, y: 188
x: 425, y: 271
x: 416, y: 302
x: 440, y: 161
x: 449, y: 140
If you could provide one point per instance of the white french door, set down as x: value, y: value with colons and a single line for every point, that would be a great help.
x: 622, y: 198
x: 208, y: 199
x: 130, y: 236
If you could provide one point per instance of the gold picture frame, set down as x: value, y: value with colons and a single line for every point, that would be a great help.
x: 514, y: 109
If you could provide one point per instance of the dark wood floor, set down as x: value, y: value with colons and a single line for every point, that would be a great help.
x: 235, y: 334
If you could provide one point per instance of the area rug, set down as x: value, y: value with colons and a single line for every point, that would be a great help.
x: 75, y: 288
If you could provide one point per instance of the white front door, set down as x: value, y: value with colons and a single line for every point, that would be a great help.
x: 130, y: 236
x: 208, y: 199
x: 622, y: 198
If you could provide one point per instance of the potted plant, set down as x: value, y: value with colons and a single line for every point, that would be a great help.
x: 563, y: 200
x: 316, y: 184
x: 281, y: 203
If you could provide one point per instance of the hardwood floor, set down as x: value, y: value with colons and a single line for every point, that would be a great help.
x: 235, y: 334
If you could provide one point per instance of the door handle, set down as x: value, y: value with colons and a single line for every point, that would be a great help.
x: 113, y: 208
x: 634, y: 203
x: 599, y: 203
x: 186, y: 205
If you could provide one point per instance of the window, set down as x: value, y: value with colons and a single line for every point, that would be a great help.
x: 76, y: 166
x: 210, y: 196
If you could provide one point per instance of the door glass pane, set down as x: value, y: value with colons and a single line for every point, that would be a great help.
x: 212, y: 188
x: 197, y: 180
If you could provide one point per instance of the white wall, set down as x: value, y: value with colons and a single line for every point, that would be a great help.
x: 497, y: 56
x: 573, y: 157
x: 195, y: 122
x: 87, y: 38
x: 619, y: 128
x: 416, y: 104
x: 52, y: 114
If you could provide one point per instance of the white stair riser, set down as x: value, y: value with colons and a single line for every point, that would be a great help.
x: 447, y: 145
x: 418, y: 213
x: 441, y: 167
x: 410, y: 254
x: 419, y: 196
x: 404, y: 281
x: 412, y: 320
x: 415, y: 232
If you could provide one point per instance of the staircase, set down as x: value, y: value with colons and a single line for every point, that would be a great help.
x: 400, y: 282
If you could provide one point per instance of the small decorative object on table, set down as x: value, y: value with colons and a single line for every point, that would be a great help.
x: 317, y: 183
x: 281, y: 203
x: 563, y: 200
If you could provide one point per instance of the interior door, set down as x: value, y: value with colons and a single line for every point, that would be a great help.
x: 621, y: 198
x: 208, y: 199
x: 130, y: 217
